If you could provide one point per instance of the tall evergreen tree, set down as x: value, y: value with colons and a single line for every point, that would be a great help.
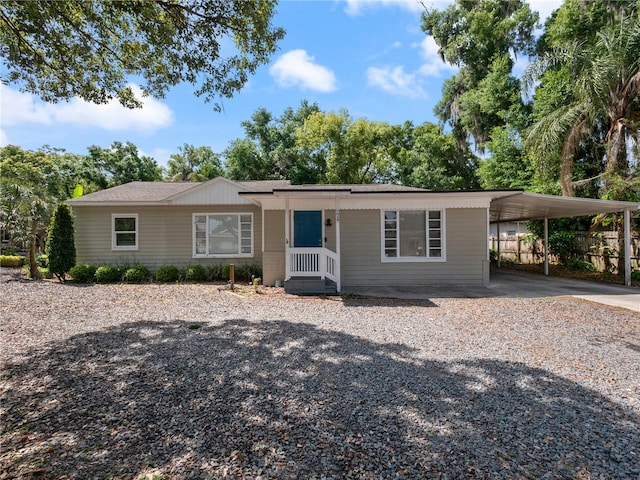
x: 61, y: 248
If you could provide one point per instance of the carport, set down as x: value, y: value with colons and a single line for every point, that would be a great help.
x: 521, y: 206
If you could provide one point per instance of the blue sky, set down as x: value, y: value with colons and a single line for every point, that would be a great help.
x: 370, y: 57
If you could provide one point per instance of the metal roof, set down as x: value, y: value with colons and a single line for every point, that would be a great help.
x: 534, y: 206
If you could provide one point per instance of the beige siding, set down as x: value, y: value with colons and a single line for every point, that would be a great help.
x: 274, y: 257
x: 466, y: 252
x: 164, y: 235
x: 330, y: 231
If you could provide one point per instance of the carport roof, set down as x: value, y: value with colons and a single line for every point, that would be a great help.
x: 533, y: 206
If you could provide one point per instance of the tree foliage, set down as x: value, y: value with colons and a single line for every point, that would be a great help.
x: 482, y: 38
x: 61, y: 249
x: 122, y: 163
x: 355, y: 151
x: 599, y: 102
x: 93, y: 49
x: 29, y: 187
x: 429, y: 158
x: 194, y: 164
x: 270, y: 149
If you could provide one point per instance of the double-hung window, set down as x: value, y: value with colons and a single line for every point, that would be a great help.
x: 124, y: 231
x: 412, y: 235
x: 223, y: 235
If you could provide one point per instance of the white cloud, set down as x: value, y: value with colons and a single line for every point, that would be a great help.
x: 297, y: 68
x: 4, y: 140
x: 433, y: 66
x: 357, y: 7
x: 21, y: 108
x: 396, y: 81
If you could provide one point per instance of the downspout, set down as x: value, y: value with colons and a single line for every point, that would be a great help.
x: 627, y: 247
x: 546, y: 246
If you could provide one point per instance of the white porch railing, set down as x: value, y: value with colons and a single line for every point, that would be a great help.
x: 313, y: 262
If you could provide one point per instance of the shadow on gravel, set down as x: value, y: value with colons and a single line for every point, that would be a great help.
x: 289, y: 400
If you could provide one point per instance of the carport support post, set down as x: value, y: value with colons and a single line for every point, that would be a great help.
x: 498, y: 234
x: 546, y: 246
x: 627, y: 247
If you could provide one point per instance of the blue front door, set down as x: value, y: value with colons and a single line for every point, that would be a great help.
x: 307, y: 228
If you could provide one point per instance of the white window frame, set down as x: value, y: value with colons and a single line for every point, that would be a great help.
x: 114, y: 234
x: 222, y: 255
x: 414, y: 259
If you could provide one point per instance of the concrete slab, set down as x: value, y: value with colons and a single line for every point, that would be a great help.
x: 516, y: 284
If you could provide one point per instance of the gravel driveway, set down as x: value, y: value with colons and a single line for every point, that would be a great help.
x: 185, y: 381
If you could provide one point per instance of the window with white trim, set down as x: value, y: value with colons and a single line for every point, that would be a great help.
x: 124, y: 231
x: 412, y: 235
x: 223, y: 235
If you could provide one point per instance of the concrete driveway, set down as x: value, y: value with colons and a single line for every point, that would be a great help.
x: 518, y: 284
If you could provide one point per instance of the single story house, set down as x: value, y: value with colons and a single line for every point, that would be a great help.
x: 314, y: 238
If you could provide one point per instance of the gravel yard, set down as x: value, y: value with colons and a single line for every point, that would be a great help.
x: 185, y: 381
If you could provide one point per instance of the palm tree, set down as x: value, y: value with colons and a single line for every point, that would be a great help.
x: 26, y: 211
x: 606, y: 97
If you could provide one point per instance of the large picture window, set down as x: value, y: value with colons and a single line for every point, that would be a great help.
x: 412, y: 235
x: 124, y: 231
x: 223, y: 235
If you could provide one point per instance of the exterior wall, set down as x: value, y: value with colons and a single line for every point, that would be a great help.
x: 466, y: 252
x: 330, y: 232
x: 165, y: 238
x: 165, y: 235
x: 273, y: 267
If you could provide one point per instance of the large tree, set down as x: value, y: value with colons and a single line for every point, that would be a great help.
x: 426, y: 157
x: 482, y: 38
x: 122, y: 163
x: 356, y: 151
x: 599, y: 103
x: 93, y: 49
x: 193, y: 164
x: 270, y: 149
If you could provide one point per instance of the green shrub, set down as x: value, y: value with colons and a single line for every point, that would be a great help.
x: 562, y: 244
x: 108, y: 274
x: 635, y: 275
x: 195, y: 273
x: 42, y: 259
x: 580, y: 265
x: 245, y: 273
x: 214, y: 272
x: 45, y: 272
x: 167, y: 274
x: 12, y: 261
x: 253, y: 271
x: 137, y: 274
x: 224, y: 273
x: 83, y: 273
x: 61, y: 248
x: 241, y: 273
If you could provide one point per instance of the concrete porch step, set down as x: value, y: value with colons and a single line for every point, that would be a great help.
x: 310, y: 286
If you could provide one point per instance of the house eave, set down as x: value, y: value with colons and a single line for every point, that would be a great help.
x: 79, y: 203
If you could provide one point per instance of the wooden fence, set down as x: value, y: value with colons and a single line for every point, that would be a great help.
x: 601, y: 249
